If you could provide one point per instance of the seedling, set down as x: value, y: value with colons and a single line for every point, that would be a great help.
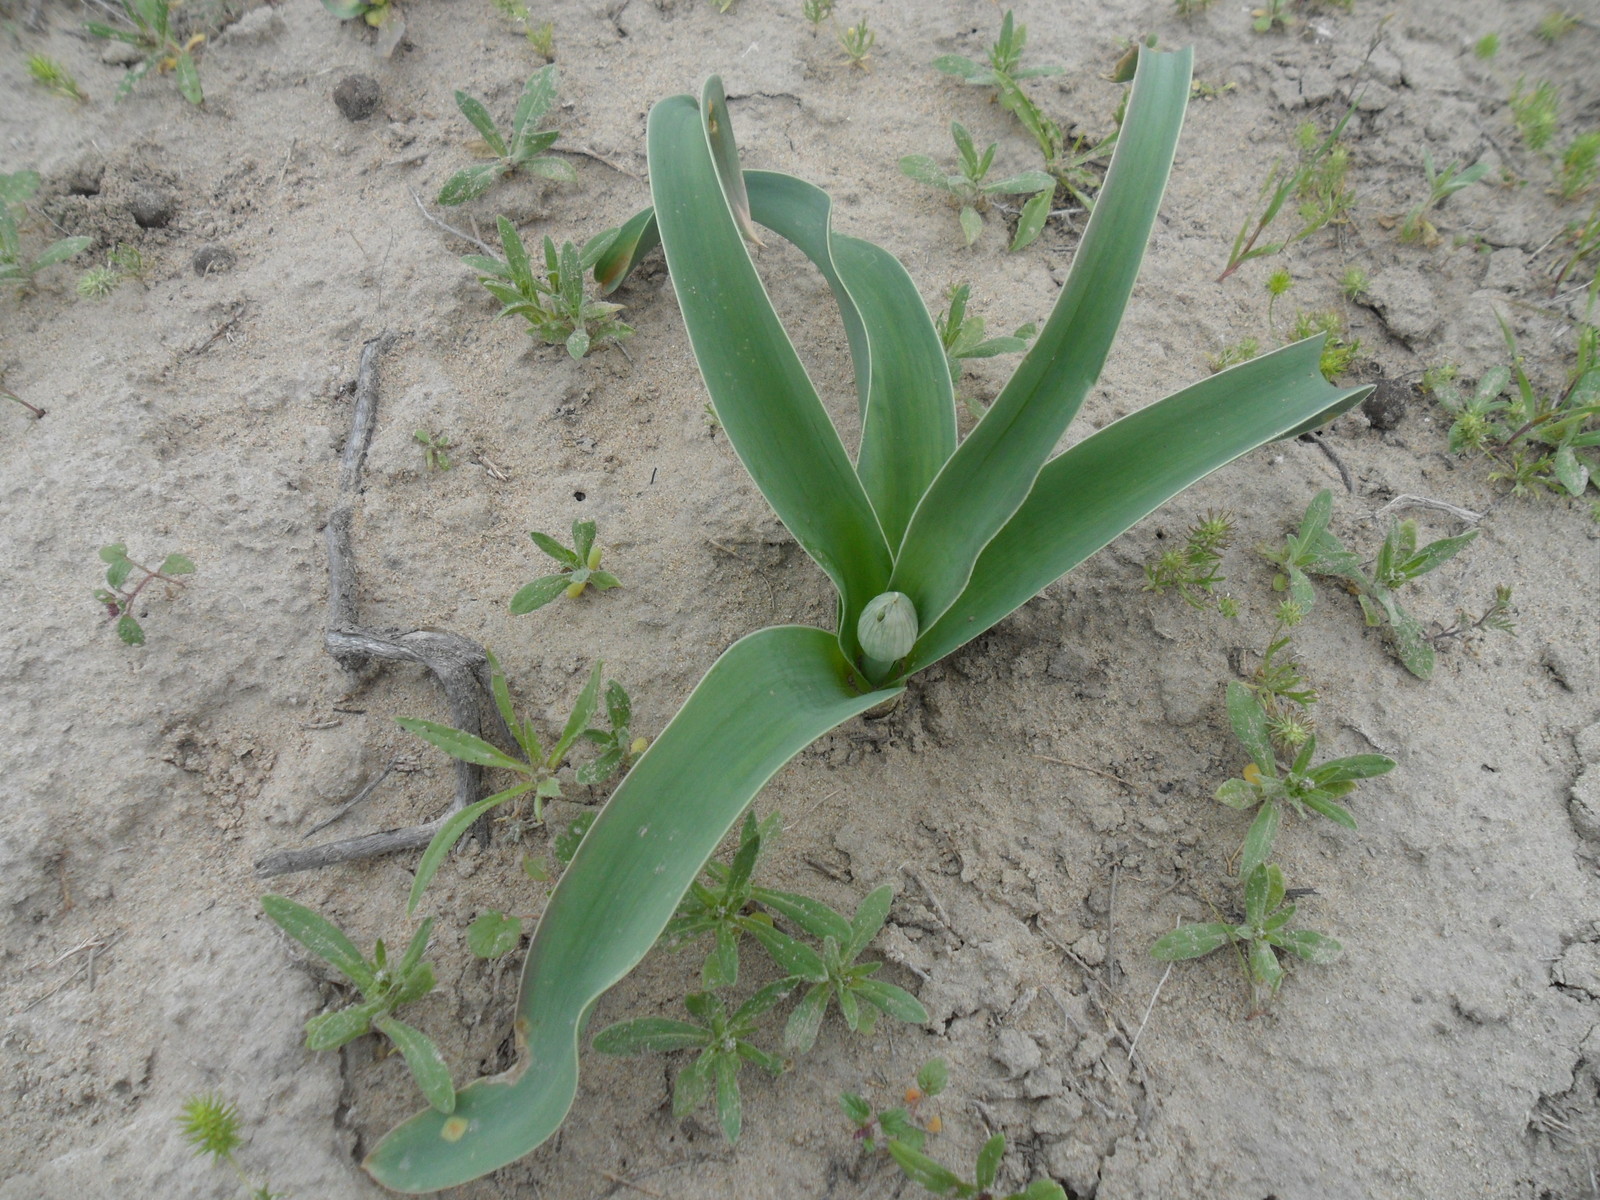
x: 963, y: 338
x: 1325, y: 194
x: 898, y: 1124
x: 119, y: 599
x: 535, y: 771
x: 724, y: 1044
x: 382, y: 15
x: 1066, y: 157
x: 523, y: 150
x: 580, y: 568
x: 210, y: 1125
x: 1241, y: 351
x: 384, y: 987
x: 1280, y: 185
x: 1354, y: 283
x: 122, y: 264
x: 1337, y: 352
x: 1192, y: 567
x: 1005, y: 59
x: 1582, y: 236
x: 1278, y: 283
x: 36, y: 412
x: 816, y: 12
x: 554, y: 301
x: 1534, y: 110
x: 55, y: 76
x: 1302, y: 786
x: 618, y: 746
x: 857, y: 42
x: 15, y: 191
x: 941, y: 537
x: 942, y: 1181
x: 1441, y: 186
x: 1579, y: 165
x: 154, y: 37
x: 1498, y: 616
x: 973, y: 190
x: 435, y: 448
x: 1555, y: 25
x: 1274, y: 14
x: 1486, y: 47
x: 1263, y: 933
x: 1190, y: 8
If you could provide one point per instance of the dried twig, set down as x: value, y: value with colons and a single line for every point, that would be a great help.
x: 451, y: 229
x: 1410, y: 501
x: 1067, y: 762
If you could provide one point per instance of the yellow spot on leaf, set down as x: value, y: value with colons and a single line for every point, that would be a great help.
x: 1252, y: 773
x: 452, y: 1129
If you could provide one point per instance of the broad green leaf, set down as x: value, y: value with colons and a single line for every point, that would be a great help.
x: 1089, y: 495
x: 130, y: 631
x: 578, y: 719
x: 971, y: 223
x: 493, y: 934
x: 895, y: 1001
x: 469, y: 184
x: 537, y: 96
x: 65, y: 248
x: 570, y: 838
x: 555, y: 549
x: 765, y: 699
x: 537, y: 594
x: 1434, y: 553
x: 1238, y: 793
x: 20, y: 185
x: 1571, y: 471
x: 649, y: 1035
x: 422, y: 1056
x: 1249, y: 723
x: 117, y: 572
x: 764, y: 1001
x: 921, y: 1169
x: 449, y: 834
x: 558, y: 169
x: 457, y: 743
x: 1334, y: 812
x: 332, y: 1030
x: 1356, y: 766
x: 1258, y: 840
x: 1263, y: 892
x: 475, y: 112
x: 870, y: 916
x: 792, y: 957
x: 345, y: 10
x: 1191, y: 941
x: 989, y: 1161
x: 800, y: 1033
x: 1022, y: 185
x: 813, y: 916
x: 412, y: 958
x: 1029, y: 226
x: 924, y: 170
x: 1264, y: 966
x: 631, y: 242
x: 721, y: 968
x: 758, y: 386
x: 188, y: 76
x: 578, y: 343
x: 1410, y: 642
x: 730, y: 1109
x: 855, y: 1108
x: 176, y: 564
x: 1313, y: 947
x: 320, y: 936
x: 990, y: 475
x: 959, y: 65
x: 718, y: 126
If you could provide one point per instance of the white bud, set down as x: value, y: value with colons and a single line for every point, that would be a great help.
x: 888, y: 627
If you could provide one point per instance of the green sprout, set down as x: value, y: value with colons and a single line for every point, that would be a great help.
x: 553, y: 302
x: 153, y: 36
x: 940, y: 536
x: 1271, y: 791
x: 1580, y: 162
x: 1555, y: 25
x: 816, y: 12
x: 942, y: 1181
x: 1486, y: 47
x: 963, y: 338
x: 1274, y: 14
x: 119, y: 599
x: 123, y: 263
x: 1241, y: 351
x: 723, y: 1040
x: 52, y: 74
x: 1005, y: 59
x: 540, y: 37
x: 580, y: 568
x: 435, y: 448
x: 210, y: 1124
x: 1262, y: 934
x: 1190, y: 8
x: 899, y: 1123
x: 523, y: 150
x: 1534, y: 111
x: 1354, y: 283
x: 1192, y: 567
x: 382, y: 15
x: 857, y: 42
x: 384, y: 987
x: 1278, y: 283
x: 1338, y: 353
x: 1441, y: 185
x: 975, y: 192
x: 15, y: 269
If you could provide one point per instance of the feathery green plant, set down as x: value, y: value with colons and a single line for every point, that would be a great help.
x: 210, y: 1124
x: 523, y: 150
x: 51, y: 73
x: 928, y: 542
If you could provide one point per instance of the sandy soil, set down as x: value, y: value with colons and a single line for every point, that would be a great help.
x: 1452, y: 1052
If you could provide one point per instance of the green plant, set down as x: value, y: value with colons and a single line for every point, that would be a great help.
x: 1241, y: 351
x: 540, y: 37
x: 1067, y: 158
x: 119, y: 599
x: 816, y: 12
x: 857, y: 42
x: 384, y: 987
x: 1274, y: 14
x: 1486, y: 47
x: 553, y: 302
x: 53, y: 75
x: 536, y: 769
x: 942, y: 1181
x: 15, y: 191
x: 949, y: 538
x: 1005, y: 59
x: 1189, y: 8
x: 899, y: 1123
x: 123, y: 263
x: 1354, y: 283
x: 1337, y: 353
x: 723, y: 1040
x: 1535, y: 112
x: 1192, y: 567
x: 523, y: 150
x: 1262, y: 934
x: 1269, y: 790
x: 963, y: 338
x: 580, y: 568
x: 973, y: 190
x: 152, y: 34
x: 33, y: 409
x: 1555, y: 25
x: 1278, y: 283
x: 382, y: 15
x: 1441, y: 185
x: 210, y: 1125
x: 1584, y: 238
x: 1580, y: 162
x: 435, y: 449
x: 1325, y: 194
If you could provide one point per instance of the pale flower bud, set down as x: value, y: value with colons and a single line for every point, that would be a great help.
x: 888, y: 627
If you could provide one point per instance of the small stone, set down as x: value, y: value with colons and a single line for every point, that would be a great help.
x: 1406, y: 303
x: 121, y: 54
x: 357, y: 96
x: 1386, y: 407
x: 213, y: 260
x: 1017, y: 1052
x: 153, y: 207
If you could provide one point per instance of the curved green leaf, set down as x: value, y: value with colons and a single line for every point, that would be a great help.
x: 770, y: 695
x: 1092, y: 493
x: 460, y: 744
x: 320, y: 936
x: 427, y: 1065
x: 449, y: 834
x: 988, y: 478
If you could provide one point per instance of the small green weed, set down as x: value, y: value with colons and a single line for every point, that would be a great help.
x: 540, y: 37
x: 384, y: 987
x: 1274, y: 14
x: 1580, y: 162
x: 857, y: 42
x: 1441, y: 186
x: 122, y: 264
x: 816, y: 12
x: 119, y: 599
x: 1338, y: 352
x: 1231, y: 356
x: 210, y: 1125
x: 15, y: 191
x: 898, y: 1124
x: 1486, y: 47
x: 153, y: 36
x: 1555, y: 25
x: 1190, y: 8
x: 1262, y: 934
x: 1191, y: 568
x: 580, y: 568
x: 523, y: 150
x: 942, y: 1181
x: 1005, y: 59
x: 1324, y: 192
x: 382, y: 15
x: 963, y: 338
x: 554, y: 302
x: 1534, y: 110
x: 1278, y: 283
x: 435, y: 448
x: 1354, y: 283
x: 975, y: 192
x: 52, y: 74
